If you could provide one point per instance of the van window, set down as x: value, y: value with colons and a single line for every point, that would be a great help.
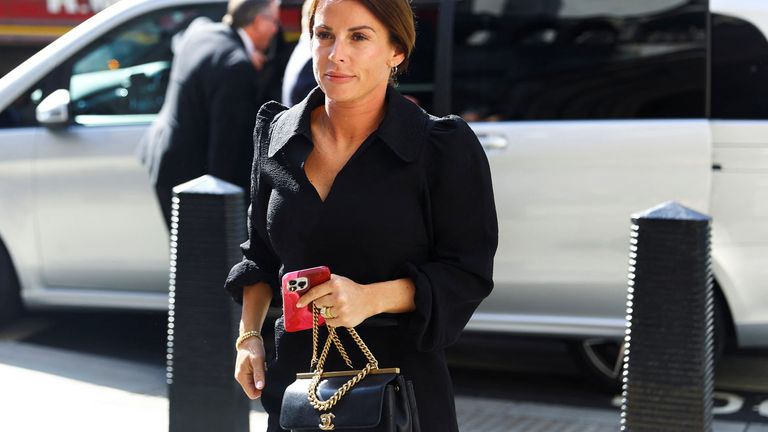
x: 739, y: 69
x: 125, y: 73
x: 579, y: 59
x: 418, y: 83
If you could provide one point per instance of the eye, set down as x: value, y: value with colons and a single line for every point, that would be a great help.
x: 359, y: 37
x: 323, y: 35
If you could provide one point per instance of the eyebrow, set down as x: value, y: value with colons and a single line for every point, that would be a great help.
x: 362, y: 27
x: 356, y: 28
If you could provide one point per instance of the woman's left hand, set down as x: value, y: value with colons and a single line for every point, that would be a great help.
x: 345, y: 302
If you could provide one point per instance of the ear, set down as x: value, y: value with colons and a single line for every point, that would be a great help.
x: 397, y: 58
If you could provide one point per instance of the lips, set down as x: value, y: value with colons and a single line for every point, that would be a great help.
x: 338, y: 75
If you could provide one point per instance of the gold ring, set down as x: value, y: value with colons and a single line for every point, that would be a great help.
x: 324, y: 312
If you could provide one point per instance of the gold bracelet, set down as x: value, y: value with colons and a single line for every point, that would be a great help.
x: 247, y: 335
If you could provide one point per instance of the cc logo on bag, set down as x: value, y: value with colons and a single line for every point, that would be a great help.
x: 327, y: 421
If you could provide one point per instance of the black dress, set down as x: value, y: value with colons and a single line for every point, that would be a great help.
x: 415, y: 200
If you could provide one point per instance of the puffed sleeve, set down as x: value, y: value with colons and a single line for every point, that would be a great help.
x: 259, y: 264
x: 461, y: 211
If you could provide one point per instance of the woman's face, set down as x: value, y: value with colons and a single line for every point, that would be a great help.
x: 351, y: 52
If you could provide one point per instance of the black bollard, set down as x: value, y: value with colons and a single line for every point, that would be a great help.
x: 668, y: 380
x: 207, y: 226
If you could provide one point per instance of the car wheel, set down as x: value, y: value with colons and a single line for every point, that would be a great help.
x: 603, y: 358
x: 10, y: 301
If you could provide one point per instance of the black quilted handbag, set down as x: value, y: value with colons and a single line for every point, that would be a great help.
x: 366, y: 400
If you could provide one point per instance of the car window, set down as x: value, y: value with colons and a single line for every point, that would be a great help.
x: 21, y: 112
x: 739, y: 69
x: 122, y: 77
x: 579, y: 59
x: 418, y: 82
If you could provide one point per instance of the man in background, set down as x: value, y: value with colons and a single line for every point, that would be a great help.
x: 299, y: 79
x: 216, y: 87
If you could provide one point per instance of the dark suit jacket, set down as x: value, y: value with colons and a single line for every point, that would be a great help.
x: 305, y: 83
x: 206, y: 123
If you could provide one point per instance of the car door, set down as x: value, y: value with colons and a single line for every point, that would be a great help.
x: 589, y: 111
x: 99, y: 223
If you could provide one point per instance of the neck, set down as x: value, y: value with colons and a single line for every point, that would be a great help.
x: 349, y: 123
x: 252, y: 35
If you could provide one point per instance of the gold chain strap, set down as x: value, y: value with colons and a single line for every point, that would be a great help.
x: 315, y: 324
x: 318, y: 364
x: 340, y: 346
x: 363, y: 347
x: 334, y: 338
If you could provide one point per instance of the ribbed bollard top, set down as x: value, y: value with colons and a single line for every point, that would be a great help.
x: 208, y: 185
x: 671, y: 211
x: 668, y: 379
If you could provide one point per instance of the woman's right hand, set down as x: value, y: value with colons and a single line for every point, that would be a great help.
x: 250, y: 366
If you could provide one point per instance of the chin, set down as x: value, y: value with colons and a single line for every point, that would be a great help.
x: 347, y: 93
x: 338, y: 93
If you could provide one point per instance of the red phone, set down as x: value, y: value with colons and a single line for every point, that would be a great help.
x: 294, y: 285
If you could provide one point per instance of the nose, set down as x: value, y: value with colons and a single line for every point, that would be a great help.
x: 338, y: 52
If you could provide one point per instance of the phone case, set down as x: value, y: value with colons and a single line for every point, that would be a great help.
x: 294, y: 285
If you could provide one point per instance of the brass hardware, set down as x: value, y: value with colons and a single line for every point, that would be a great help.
x: 309, y: 375
x: 327, y: 421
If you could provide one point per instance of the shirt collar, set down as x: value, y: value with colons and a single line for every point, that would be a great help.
x: 249, y: 47
x: 404, y: 128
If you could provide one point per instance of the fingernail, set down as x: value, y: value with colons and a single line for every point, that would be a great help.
x: 260, y: 385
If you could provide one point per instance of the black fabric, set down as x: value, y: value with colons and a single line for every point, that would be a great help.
x: 207, y: 119
x: 414, y: 201
x: 378, y: 403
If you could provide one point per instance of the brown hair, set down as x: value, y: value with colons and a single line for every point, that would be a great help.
x: 397, y: 17
x: 240, y: 13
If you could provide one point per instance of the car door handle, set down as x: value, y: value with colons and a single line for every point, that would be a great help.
x: 493, y: 142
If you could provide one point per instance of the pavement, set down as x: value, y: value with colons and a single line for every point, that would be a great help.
x: 49, y: 389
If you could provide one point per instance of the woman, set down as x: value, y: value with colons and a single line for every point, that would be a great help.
x: 397, y: 203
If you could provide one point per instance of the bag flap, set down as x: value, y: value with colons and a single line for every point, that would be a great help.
x: 361, y: 407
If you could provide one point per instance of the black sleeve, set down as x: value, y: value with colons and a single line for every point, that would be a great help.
x: 462, y: 213
x: 260, y: 263
x: 232, y: 109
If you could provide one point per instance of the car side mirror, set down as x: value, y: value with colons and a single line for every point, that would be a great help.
x: 53, y: 111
